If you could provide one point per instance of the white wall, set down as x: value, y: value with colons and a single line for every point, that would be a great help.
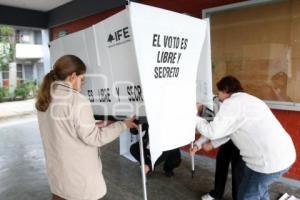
x: 46, y: 52
x: 1, y: 80
x: 12, y: 77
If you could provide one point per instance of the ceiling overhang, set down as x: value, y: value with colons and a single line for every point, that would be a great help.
x: 62, y: 14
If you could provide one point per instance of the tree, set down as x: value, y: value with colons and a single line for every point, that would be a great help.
x: 7, y: 46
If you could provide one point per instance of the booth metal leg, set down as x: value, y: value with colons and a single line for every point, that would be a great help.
x: 193, y: 161
x: 142, y: 162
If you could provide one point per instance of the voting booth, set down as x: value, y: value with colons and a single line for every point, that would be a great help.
x: 147, y: 62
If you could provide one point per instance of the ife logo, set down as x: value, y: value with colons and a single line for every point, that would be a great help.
x: 118, y: 37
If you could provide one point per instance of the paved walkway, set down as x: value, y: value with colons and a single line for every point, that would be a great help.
x: 23, y: 174
x: 16, y: 108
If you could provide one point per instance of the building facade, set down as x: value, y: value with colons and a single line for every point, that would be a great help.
x: 31, y: 58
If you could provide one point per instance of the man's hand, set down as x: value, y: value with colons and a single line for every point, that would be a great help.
x: 194, y: 150
x: 207, y: 146
x: 199, y: 108
x: 197, y: 133
x: 130, y: 123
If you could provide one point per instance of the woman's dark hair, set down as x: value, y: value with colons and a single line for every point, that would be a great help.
x: 230, y: 85
x: 63, y: 67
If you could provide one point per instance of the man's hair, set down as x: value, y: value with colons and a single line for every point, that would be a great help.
x: 230, y: 85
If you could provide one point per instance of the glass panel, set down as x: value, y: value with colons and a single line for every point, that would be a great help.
x: 19, y: 67
x: 19, y: 75
x: 37, y: 37
x: 40, y: 72
x: 26, y: 37
x: 28, y: 69
x: 263, y: 52
x: 5, y: 75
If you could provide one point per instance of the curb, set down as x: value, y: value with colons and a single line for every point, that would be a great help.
x: 17, y: 116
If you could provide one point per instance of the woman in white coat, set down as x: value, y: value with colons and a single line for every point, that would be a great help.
x: 264, y: 145
x: 70, y: 135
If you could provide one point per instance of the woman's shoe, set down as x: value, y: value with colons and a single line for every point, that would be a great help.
x: 207, y: 197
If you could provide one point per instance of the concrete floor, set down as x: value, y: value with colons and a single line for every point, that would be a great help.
x: 23, y: 175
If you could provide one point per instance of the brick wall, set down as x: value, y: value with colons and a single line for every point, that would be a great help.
x: 5, y: 83
x: 289, y: 119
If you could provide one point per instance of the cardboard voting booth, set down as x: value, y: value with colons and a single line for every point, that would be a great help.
x: 147, y: 62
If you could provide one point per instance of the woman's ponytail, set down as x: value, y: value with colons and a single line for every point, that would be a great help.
x: 44, y: 94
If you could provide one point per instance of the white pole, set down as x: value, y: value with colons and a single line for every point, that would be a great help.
x: 142, y: 158
x: 193, y: 161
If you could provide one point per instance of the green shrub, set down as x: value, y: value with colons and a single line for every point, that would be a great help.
x: 21, y: 91
x: 32, y: 87
x: 27, y: 89
x: 3, y: 93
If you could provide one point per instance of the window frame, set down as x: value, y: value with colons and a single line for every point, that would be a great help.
x: 4, y: 71
x: 18, y: 71
x: 206, y: 13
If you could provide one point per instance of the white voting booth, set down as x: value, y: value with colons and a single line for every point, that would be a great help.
x: 146, y: 61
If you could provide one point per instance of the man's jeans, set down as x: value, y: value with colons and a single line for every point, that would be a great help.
x: 255, y: 185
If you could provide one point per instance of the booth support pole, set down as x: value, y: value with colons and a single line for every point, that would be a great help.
x: 193, y: 161
x: 142, y: 161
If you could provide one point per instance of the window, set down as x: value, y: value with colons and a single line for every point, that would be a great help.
x: 260, y: 45
x: 25, y: 36
x: 29, y: 36
x: 20, y: 72
x: 28, y: 71
x: 5, y: 75
x: 37, y: 37
x: 40, y: 72
x: 18, y: 36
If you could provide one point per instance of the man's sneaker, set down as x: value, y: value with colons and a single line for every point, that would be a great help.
x: 207, y: 197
